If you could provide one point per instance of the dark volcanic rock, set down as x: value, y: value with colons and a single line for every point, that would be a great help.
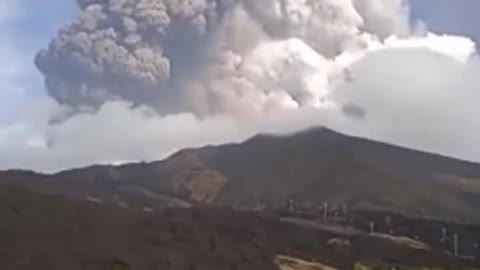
x: 311, y: 167
x: 51, y: 232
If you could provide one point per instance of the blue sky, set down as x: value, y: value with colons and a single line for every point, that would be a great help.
x: 27, y: 27
x: 449, y: 16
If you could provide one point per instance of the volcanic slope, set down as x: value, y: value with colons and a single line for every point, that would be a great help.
x: 311, y: 167
x: 40, y: 231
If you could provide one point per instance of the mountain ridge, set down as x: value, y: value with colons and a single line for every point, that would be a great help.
x: 268, y: 136
x: 314, y: 166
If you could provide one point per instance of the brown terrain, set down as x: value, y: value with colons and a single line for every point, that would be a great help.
x: 41, y: 232
x: 311, y: 167
x: 317, y: 198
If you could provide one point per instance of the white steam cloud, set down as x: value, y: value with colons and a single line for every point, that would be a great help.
x: 258, y: 66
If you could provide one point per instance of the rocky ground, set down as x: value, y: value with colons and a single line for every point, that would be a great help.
x: 39, y: 232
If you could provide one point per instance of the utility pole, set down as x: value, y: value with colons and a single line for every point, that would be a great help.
x: 290, y: 204
x: 371, y: 225
x: 325, y: 210
x: 455, y: 244
x: 388, y: 222
x: 257, y: 206
x: 444, y: 233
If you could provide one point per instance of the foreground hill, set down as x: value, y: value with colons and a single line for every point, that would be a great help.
x: 310, y: 167
x: 41, y: 231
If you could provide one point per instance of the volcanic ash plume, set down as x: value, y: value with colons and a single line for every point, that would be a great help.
x: 211, y: 56
x: 201, y: 72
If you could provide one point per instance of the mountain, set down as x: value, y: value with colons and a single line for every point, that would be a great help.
x: 310, y: 167
x: 40, y: 231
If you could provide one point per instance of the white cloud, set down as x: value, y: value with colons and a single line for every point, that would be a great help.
x: 419, y: 97
x: 115, y: 133
x: 413, y: 95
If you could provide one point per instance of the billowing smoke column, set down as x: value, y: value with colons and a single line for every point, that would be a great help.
x: 211, y: 56
x: 123, y: 50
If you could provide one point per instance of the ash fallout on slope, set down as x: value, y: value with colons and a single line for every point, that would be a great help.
x: 240, y: 57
